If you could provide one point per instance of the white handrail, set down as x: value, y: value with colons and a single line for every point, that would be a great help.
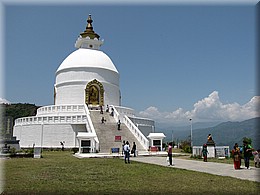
x: 125, y: 111
x: 116, y: 114
x: 57, y: 109
x: 132, y: 127
x: 89, y: 123
x: 72, y: 119
x: 90, y: 126
x: 136, y: 132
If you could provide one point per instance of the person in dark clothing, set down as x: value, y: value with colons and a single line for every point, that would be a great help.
x: 205, y: 153
x: 247, y: 149
x: 112, y: 112
x: 62, y: 146
x: 133, y: 151
x: 107, y: 110
x: 103, y: 120
x: 118, y: 125
x: 101, y: 109
x: 170, y: 153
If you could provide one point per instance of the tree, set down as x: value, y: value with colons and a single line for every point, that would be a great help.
x: 186, y: 146
x: 10, y: 112
x: 248, y: 140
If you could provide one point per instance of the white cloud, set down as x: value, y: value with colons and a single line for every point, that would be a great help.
x: 207, y: 109
x: 4, y: 101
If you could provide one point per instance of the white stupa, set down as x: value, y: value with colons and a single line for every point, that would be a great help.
x: 86, y: 81
x: 86, y: 73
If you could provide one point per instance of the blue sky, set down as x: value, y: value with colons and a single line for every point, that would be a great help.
x: 171, y: 58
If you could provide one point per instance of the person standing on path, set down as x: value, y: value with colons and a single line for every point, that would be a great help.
x: 236, y: 156
x: 205, y: 153
x: 170, y: 153
x: 247, y: 149
x: 127, y: 152
x: 133, y: 151
x: 123, y: 144
x: 256, y: 158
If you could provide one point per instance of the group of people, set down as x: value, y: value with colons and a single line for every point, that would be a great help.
x: 103, y: 120
x: 126, y: 150
x: 245, y: 151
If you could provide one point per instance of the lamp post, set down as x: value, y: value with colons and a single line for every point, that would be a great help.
x: 42, y: 135
x: 172, y: 136
x: 191, y: 143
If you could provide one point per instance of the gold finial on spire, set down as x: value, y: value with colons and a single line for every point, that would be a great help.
x: 89, y: 32
x: 89, y: 20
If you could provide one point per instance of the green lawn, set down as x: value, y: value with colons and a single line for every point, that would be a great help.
x: 61, y: 173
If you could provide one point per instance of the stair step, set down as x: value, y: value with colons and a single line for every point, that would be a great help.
x: 106, y: 133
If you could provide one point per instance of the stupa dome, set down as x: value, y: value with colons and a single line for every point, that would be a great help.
x: 87, y: 58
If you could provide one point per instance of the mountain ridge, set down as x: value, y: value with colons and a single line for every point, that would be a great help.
x: 224, y: 134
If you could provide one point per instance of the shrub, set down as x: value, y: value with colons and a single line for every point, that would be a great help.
x: 187, y: 149
x: 75, y: 150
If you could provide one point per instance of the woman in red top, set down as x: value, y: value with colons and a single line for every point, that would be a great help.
x: 236, y: 156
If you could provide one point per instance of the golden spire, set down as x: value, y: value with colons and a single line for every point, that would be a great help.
x: 89, y: 32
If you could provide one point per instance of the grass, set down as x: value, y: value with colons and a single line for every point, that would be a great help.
x: 61, y: 173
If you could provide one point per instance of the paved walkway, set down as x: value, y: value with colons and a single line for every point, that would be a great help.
x: 221, y: 169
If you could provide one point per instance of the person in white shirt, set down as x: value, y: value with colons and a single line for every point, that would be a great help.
x: 127, y: 152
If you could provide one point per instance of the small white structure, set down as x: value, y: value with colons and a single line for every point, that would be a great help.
x: 87, y: 142
x: 211, y: 151
x: 214, y: 151
x: 222, y: 151
x: 156, y: 140
x: 37, y: 152
x: 197, y: 151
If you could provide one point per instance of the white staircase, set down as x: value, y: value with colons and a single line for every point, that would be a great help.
x: 107, y: 131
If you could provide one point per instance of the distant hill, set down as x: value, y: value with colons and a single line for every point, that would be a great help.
x: 18, y: 110
x: 10, y: 112
x: 198, y: 125
x: 182, y: 132
x: 224, y: 134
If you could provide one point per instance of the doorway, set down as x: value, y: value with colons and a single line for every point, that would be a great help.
x: 94, y: 93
